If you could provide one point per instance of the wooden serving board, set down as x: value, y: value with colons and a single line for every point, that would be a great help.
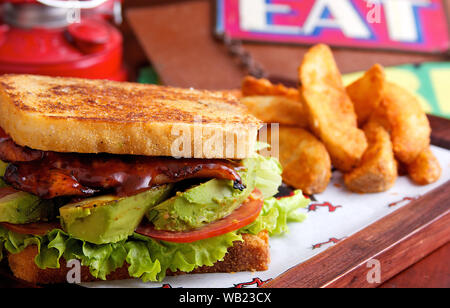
x: 397, y: 241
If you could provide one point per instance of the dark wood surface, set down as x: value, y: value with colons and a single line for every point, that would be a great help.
x: 441, y: 132
x: 431, y: 272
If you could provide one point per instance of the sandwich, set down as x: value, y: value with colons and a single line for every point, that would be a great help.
x: 132, y: 181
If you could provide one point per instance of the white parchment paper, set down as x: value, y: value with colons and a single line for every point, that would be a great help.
x: 337, y: 214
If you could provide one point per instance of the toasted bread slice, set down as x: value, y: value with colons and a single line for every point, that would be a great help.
x: 250, y: 255
x: 93, y: 116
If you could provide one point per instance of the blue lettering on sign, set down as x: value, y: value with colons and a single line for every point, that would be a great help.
x: 325, y: 18
x: 326, y: 14
x: 417, y: 9
x: 417, y: 23
x: 274, y: 9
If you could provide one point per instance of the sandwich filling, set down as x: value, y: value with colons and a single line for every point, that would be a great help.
x: 50, y: 174
x: 153, y: 213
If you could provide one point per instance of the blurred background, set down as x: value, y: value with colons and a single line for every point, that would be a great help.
x: 213, y: 44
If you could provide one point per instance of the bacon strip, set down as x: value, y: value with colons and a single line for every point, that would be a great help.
x: 50, y: 174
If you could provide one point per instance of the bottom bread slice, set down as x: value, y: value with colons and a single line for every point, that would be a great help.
x: 250, y: 255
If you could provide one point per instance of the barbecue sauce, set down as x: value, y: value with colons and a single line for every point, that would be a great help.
x: 51, y: 174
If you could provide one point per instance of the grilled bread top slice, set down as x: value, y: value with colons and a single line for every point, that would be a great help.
x: 93, y: 116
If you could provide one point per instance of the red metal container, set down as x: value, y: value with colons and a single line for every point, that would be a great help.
x: 38, y: 39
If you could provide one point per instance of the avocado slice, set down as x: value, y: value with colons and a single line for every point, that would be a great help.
x: 203, y: 204
x: 3, y: 166
x: 197, y: 206
x: 19, y: 207
x: 109, y: 219
x: 216, y: 198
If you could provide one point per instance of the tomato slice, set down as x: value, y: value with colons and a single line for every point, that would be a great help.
x: 241, y: 217
x: 34, y: 228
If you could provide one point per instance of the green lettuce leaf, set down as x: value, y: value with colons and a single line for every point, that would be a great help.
x: 267, y: 174
x: 3, y: 166
x: 148, y: 259
x: 186, y: 257
x: 276, y: 214
x: 261, y: 146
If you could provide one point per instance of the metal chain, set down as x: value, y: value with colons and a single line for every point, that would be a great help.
x: 246, y: 60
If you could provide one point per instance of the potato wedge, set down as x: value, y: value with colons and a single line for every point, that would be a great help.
x: 331, y: 114
x: 235, y: 93
x: 263, y: 87
x: 277, y: 109
x: 377, y: 170
x: 367, y: 92
x: 425, y: 169
x: 305, y: 161
x: 402, y: 115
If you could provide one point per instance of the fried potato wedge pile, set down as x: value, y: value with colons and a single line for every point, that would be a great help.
x: 372, y: 130
x: 400, y: 114
x: 305, y: 160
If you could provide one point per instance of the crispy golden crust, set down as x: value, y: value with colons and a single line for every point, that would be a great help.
x: 250, y: 255
x: 273, y: 103
x: 305, y: 160
x: 277, y: 109
x: 425, y: 169
x: 263, y: 87
x: 377, y: 170
x: 92, y: 116
x: 401, y: 114
x: 367, y: 92
x: 331, y: 113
